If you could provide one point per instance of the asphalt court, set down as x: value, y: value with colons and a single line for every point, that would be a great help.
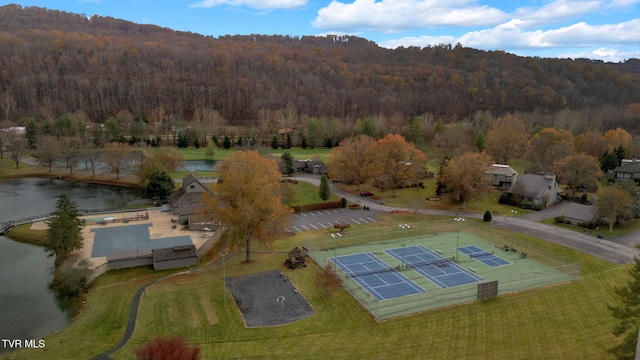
x: 325, y: 219
x: 484, y: 257
x: 440, y: 271
x: 375, y: 276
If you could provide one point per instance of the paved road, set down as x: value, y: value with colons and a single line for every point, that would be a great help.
x: 618, y: 250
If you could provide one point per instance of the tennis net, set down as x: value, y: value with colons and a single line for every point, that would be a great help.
x: 437, y: 262
x: 351, y: 273
x: 480, y: 254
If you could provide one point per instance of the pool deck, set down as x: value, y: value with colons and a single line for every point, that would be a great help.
x: 160, y: 227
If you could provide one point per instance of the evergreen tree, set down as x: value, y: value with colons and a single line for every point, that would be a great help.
x: 64, y: 234
x: 609, y: 161
x: 287, y: 162
x: 324, y: 190
x: 303, y: 143
x: 288, y: 143
x: 274, y: 142
x: 160, y: 185
x: 628, y: 314
x: 226, y: 143
x: 32, y: 132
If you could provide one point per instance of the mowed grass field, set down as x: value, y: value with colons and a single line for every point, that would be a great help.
x: 568, y: 321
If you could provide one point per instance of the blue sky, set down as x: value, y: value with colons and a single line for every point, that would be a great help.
x: 608, y: 30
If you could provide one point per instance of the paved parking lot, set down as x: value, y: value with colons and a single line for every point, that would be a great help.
x: 325, y: 219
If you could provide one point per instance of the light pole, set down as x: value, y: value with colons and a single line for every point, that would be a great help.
x: 405, y: 227
x: 335, y: 237
x: 459, y: 220
x: 514, y: 214
x: 224, y: 253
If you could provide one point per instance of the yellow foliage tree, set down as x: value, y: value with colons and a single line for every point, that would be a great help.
x: 617, y: 137
x: 247, y: 200
x: 507, y: 139
x: 396, y: 160
x: 550, y: 145
x: 463, y: 177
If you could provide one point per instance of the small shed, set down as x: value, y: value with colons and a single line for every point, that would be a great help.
x: 296, y: 257
x: 175, y: 257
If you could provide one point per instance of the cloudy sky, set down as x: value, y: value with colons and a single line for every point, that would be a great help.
x: 608, y: 30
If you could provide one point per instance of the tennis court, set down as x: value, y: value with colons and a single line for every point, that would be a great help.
x: 441, y: 271
x: 375, y: 276
x: 399, y: 271
x: 485, y: 257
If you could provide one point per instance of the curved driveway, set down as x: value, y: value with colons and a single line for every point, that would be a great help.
x: 620, y: 251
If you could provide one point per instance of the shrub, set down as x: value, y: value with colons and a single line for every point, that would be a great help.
x: 487, y: 216
x: 584, y: 198
x: 526, y: 204
x: 343, y: 201
x: 591, y: 225
x: 168, y: 348
x: 559, y: 219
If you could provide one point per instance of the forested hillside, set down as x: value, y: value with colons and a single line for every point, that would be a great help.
x: 53, y: 63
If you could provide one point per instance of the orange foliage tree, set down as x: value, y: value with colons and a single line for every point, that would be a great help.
x: 247, y: 199
x: 579, y: 171
x: 617, y: 137
x: 591, y: 143
x: 396, y: 160
x: 349, y: 162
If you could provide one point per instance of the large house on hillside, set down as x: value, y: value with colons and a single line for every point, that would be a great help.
x: 629, y: 169
x: 542, y: 190
x: 501, y: 176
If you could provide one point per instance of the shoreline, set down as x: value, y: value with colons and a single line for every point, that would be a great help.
x: 89, y: 179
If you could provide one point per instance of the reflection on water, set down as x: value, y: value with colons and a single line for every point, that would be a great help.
x: 28, y: 308
x: 199, y: 165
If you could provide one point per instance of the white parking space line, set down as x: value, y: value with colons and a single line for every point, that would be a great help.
x: 363, y: 220
x: 305, y: 227
x: 327, y: 212
x: 298, y: 230
x: 303, y: 214
x: 330, y: 224
x: 355, y: 221
x: 313, y: 226
x: 321, y: 224
x: 370, y: 219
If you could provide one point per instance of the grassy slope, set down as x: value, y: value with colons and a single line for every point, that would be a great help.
x: 569, y: 321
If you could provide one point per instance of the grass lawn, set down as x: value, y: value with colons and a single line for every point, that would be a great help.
x: 415, y: 198
x: 568, y: 321
x: 618, y: 229
x: 304, y: 193
x: 191, y: 153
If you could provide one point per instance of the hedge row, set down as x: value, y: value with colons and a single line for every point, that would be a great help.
x: 318, y: 206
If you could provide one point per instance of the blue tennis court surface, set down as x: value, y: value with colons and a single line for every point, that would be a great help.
x: 484, y: 257
x: 120, y: 239
x: 442, y: 272
x: 375, y: 276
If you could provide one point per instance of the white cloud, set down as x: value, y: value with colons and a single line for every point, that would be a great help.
x: 511, y: 35
x: 255, y: 4
x: 559, y: 10
x: 604, y: 54
x: 396, y: 15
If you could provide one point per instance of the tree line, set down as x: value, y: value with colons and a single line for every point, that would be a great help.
x: 56, y: 63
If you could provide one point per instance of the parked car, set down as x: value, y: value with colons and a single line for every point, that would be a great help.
x: 366, y: 193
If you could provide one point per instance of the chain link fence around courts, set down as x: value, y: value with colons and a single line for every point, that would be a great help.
x: 533, y: 266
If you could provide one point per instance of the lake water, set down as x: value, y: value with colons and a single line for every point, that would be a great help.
x: 28, y: 309
x: 199, y: 165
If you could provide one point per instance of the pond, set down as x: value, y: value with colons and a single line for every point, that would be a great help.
x: 28, y: 305
x: 199, y: 165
